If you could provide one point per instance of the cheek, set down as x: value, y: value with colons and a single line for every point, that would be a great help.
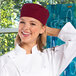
x: 35, y: 30
x: 20, y: 28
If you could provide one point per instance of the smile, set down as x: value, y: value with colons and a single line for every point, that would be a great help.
x: 25, y: 34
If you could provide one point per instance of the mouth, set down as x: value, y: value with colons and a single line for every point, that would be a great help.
x: 25, y: 34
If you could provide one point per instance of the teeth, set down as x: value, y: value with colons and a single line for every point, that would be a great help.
x: 25, y: 33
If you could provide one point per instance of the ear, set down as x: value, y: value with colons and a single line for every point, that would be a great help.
x: 43, y: 28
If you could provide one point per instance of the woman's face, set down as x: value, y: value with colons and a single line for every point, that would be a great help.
x: 29, y: 29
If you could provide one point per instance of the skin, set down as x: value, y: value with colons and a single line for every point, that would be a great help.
x: 29, y: 30
x: 52, y: 31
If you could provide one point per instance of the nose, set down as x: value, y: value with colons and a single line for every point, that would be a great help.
x: 26, y: 26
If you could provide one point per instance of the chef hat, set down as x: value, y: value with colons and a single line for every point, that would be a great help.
x: 36, y: 11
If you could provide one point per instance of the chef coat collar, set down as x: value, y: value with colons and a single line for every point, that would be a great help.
x: 20, y: 50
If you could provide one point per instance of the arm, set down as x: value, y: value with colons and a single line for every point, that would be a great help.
x: 52, y: 31
x: 68, y: 50
x: 63, y: 54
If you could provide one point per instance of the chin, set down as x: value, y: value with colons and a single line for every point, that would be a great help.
x: 25, y: 41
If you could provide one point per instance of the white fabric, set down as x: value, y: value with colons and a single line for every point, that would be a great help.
x: 46, y: 63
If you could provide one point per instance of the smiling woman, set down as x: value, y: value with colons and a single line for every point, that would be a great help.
x: 29, y: 58
x: 29, y: 30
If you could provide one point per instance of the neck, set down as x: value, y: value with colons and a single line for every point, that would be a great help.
x: 28, y: 47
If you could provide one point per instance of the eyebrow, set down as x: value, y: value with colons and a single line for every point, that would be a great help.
x: 29, y: 21
x: 33, y: 21
x: 21, y: 19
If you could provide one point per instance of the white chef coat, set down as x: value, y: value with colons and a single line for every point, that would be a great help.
x: 46, y: 63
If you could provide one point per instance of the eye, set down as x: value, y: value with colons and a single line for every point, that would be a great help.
x: 32, y: 23
x: 22, y: 22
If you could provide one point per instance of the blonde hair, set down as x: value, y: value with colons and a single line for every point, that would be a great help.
x: 41, y: 41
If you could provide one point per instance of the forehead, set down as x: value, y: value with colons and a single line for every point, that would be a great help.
x: 30, y: 19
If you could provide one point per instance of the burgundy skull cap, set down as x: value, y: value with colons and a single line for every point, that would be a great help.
x: 35, y: 11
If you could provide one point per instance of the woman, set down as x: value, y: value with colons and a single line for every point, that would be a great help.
x: 29, y: 58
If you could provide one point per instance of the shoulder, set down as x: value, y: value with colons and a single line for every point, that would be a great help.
x: 47, y: 50
x: 54, y: 50
x: 4, y: 59
x: 7, y: 54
